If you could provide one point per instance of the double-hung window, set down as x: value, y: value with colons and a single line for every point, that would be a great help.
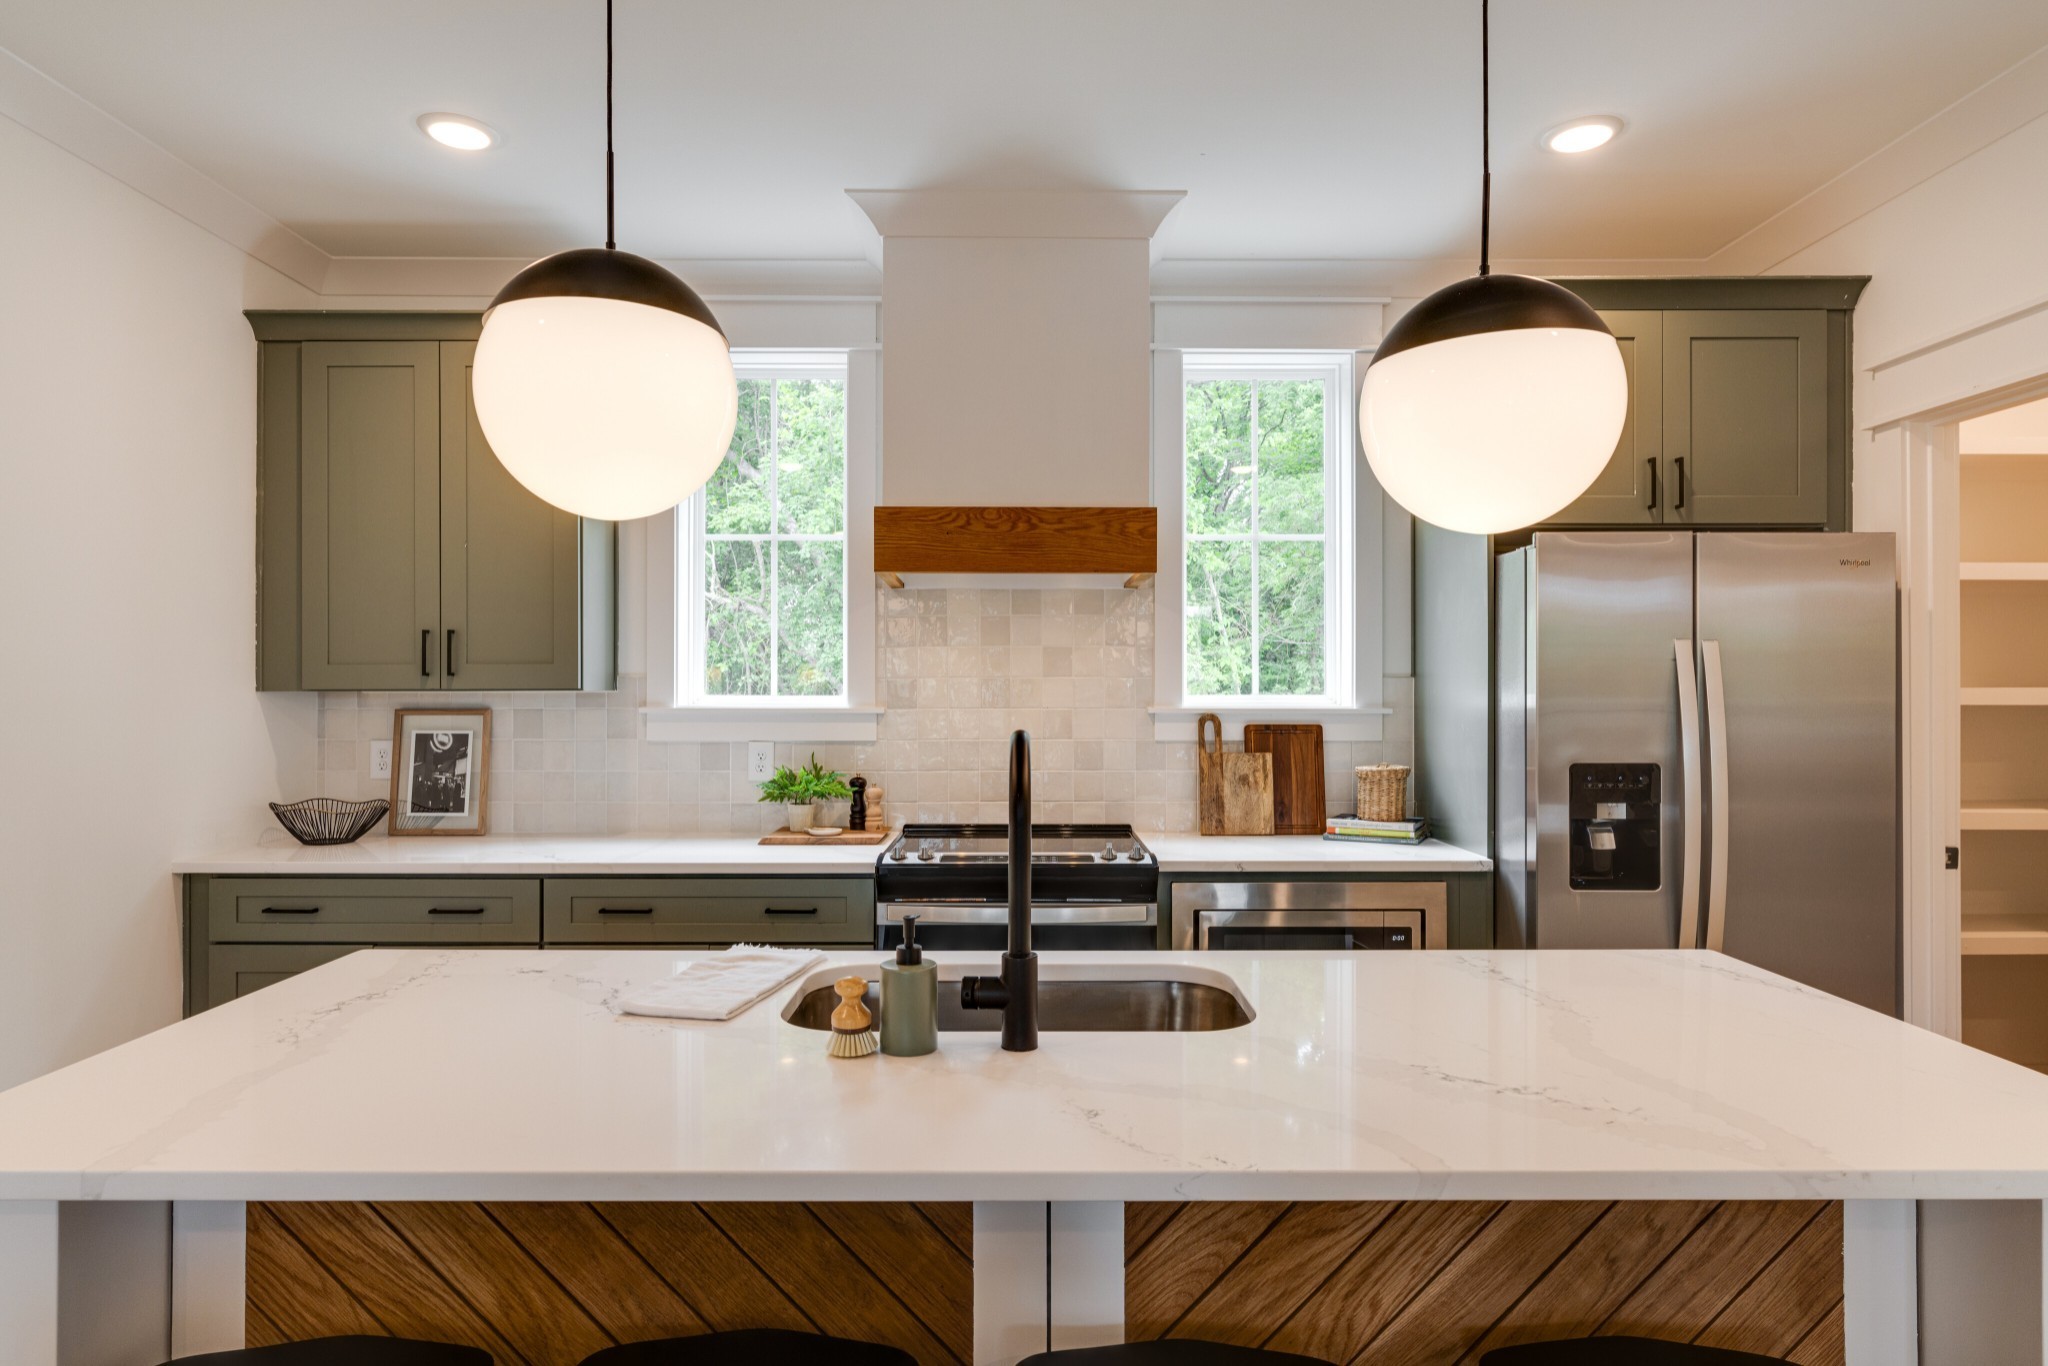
x: 762, y: 548
x: 1268, y: 540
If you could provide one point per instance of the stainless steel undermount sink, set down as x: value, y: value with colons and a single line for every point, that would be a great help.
x: 1110, y: 1005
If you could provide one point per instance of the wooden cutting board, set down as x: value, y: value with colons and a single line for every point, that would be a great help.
x: 788, y: 836
x: 1234, y: 791
x: 1297, y: 752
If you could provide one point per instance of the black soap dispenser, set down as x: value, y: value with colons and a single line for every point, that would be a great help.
x: 910, y: 999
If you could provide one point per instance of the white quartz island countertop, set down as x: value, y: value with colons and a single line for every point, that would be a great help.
x: 277, y: 854
x: 503, y: 1075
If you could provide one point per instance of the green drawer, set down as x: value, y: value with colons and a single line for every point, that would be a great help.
x: 374, y: 910
x: 235, y: 970
x: 710, y: 910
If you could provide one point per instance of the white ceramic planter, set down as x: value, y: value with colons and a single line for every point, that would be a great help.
x: 800, y: 814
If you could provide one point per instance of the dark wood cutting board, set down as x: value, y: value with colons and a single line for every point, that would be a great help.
x: 1297, y: 752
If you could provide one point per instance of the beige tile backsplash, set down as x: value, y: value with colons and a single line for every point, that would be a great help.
x: 960, y: 669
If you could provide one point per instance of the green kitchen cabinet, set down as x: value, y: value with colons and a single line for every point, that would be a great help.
x: 369, y: 530
x: 1745, y: 417
x: 396, y: 553
x: 1628, y: 492
x: 1738, y: 403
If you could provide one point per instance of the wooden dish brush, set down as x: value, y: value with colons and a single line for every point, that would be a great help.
x: 853, y: 1024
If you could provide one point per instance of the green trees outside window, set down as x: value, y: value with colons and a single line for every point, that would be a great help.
x: 774, y: 571
x: 1256, y: 529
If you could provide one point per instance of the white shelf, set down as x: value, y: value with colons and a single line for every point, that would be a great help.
x: 2005, y: 934
x: 2005, y: 815
x: 2005, y: 697
x: 2007, y: 570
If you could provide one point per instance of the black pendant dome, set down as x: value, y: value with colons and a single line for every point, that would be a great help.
x: 606, y: 273
x: 1486, y: 303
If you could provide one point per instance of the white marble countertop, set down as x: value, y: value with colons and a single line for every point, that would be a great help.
x: 277, y: 853
x: 468, y: 1074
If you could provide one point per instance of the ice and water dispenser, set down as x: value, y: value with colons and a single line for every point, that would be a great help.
x: 1614, y: 828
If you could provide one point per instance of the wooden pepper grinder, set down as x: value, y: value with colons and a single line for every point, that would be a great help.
x: 853, y: 1024
x: 857, y: 816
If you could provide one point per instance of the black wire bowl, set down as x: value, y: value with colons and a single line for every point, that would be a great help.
x: 329, y: 820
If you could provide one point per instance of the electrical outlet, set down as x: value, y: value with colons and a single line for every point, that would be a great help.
x: 760, y: 761
x: 380, y: 758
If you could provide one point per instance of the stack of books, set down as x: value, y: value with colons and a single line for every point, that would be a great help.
x: 1376, y: 832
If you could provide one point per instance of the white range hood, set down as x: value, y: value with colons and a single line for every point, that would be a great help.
x: 1016, y: 383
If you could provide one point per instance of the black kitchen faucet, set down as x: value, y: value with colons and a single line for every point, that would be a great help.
x: 1015, y: 992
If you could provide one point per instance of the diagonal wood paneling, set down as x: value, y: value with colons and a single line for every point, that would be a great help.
x: 548, y: 1284
x: 1426, y: 1282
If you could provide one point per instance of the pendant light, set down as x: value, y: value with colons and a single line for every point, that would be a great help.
x: 601, y: 381
x: 1496, y: 401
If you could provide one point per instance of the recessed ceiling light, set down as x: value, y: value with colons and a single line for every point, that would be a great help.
x: 1582, y: 135
x: 453, y: 130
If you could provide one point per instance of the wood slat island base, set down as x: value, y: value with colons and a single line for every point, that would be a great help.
x: 1377, y: 1282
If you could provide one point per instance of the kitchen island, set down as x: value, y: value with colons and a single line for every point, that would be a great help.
x: 503, y: 1076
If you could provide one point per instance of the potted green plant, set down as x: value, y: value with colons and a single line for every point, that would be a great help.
x: 799, y: 790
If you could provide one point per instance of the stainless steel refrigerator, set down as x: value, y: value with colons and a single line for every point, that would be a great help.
x: 1698, y: 746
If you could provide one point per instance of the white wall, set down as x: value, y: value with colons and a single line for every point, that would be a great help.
x: 127, y: 583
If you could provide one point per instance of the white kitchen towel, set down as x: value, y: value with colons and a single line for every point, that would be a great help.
x: 721, y: 987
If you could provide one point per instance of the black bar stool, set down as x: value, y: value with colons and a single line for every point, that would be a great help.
x: 752, y: 1347
x: 348, y: 1351
x: 1170, y: 1352
x: 1622, y: 1352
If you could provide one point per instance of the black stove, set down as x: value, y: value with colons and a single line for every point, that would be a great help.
x: 1092, y: 886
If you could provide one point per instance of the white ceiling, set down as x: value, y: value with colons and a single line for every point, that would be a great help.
x: 1299, y: 128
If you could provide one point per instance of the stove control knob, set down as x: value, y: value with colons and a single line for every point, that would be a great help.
x: 1108, y: 854
x: 925, y: 855
x: 898, y: 854
x: 1136, y: 855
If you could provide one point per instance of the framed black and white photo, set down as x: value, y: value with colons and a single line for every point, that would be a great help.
x: 440, y: 770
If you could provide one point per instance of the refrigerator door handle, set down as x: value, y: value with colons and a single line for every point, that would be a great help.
x: 1689, y: 760
x: 1717, y: 780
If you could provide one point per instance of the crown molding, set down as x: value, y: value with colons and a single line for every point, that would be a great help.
x: 2007, y: 102
x: 475, y: 280
x: 61, y: 116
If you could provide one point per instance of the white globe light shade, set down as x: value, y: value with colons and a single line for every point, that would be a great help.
x: 1491, y: 431
x: 607, y: 407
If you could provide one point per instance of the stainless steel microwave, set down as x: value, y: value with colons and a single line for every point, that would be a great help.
x: 1310, y: 915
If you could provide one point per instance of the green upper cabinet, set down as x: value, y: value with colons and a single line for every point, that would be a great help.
x: 1629, y: 491
x: 369, y: 538
x: 396, y: 553
x: 1745, y: 417
x: 1738, y: 403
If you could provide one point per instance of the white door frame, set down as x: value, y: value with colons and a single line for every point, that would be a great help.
x: 1927, y: 483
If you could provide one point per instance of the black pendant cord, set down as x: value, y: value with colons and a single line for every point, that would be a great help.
x: 1485, y: 141
x: 610, y: 213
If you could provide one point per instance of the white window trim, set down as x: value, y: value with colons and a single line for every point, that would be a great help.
x: 675, y: 545
x: 1352, y: 709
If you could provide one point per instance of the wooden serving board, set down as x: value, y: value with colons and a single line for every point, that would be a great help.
x: 1297, y: 752
x: 788, y: 836
x: 1234, y: 791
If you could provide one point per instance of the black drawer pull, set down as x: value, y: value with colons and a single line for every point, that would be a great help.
x: 789, y: 910
x: 625, y: 910
x: 291, y: 910
x: 455, y: 910
x: 1652, y: 463
x: 1680, y: 462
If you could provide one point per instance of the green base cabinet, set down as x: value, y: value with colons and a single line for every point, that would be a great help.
x: 395, y: 552
x: 243, y: 933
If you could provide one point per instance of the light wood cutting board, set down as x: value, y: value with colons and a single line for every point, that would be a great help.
x: 788, y: 836
x: 1297, y: 752
x: 1234, y: 791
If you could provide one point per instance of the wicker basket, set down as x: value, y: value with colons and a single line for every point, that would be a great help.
x: 1383, y: 792
x: 329, y: 820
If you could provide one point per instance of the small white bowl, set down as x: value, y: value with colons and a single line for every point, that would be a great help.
x: 825, y: 831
